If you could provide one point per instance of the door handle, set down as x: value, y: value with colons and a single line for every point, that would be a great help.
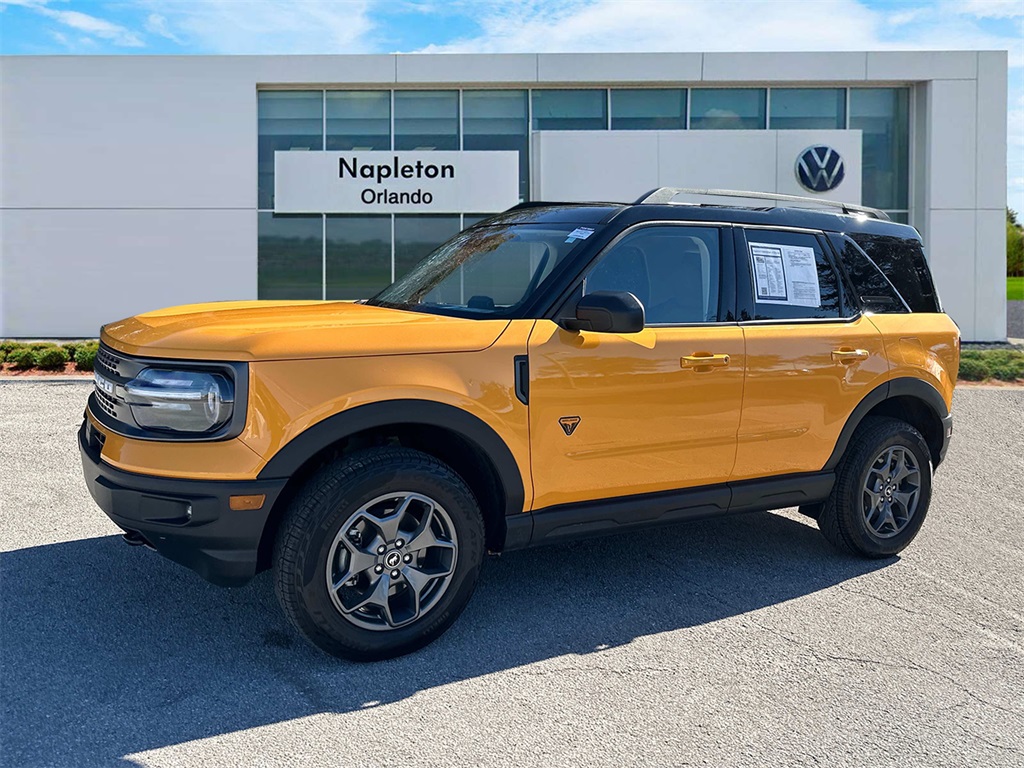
x: 847, y: 356
x: 703, y: 361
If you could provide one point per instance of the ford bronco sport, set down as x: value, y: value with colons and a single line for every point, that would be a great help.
x: 553, y: 372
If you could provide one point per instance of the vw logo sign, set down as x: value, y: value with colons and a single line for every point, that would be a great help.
x: 820, y: 169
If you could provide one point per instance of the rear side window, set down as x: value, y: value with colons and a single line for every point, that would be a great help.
x: 791, y: 277
x: 871, y: 287
x: 903, y: 262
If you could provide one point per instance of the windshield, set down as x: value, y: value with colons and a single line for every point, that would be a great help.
x: 485, y: 271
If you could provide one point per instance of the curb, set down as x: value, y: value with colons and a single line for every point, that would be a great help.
x: 38, y: 379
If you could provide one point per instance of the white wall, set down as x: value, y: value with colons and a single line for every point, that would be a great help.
x: 129, y: 183
x: 620, y: 166
x: 960, y: 189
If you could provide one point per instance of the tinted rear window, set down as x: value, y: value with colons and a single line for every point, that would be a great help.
x: 903, y: 262
x: 874, y: 292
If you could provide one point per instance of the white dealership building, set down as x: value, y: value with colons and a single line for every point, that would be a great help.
x: 131, y: 183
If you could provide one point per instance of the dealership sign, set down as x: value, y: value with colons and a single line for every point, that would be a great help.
x: 820, y: 169
x: 395, y: 182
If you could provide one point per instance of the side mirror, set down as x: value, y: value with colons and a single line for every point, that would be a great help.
x: 607, y: 312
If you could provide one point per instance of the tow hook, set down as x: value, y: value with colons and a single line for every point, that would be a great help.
x: 134, y: 539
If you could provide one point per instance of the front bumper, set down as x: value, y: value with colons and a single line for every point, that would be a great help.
x: 187, y: 521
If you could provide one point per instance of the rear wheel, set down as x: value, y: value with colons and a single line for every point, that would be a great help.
x: 882, y: 491
x: 379, y: 553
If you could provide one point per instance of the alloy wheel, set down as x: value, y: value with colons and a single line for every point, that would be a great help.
x: 891, y: 492
x: 392, y: 561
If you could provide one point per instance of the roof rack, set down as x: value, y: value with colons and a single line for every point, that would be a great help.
x: 665, y: 195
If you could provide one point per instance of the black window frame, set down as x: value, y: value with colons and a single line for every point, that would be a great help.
x: 565, y: 307
x: 746, y: 308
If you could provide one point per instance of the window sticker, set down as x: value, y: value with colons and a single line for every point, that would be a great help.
x: 785, y: 274
x: 580, y: 233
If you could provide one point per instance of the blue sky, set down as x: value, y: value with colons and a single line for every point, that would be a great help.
x: 386, y: 26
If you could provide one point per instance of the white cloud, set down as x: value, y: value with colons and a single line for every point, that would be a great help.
x: 517, y: 26
x: 264, y: 26
x: 93, y: 25
x: 60, y: 37
x: 157, y: 25
x: 663, y: 25
x: 991, y: 9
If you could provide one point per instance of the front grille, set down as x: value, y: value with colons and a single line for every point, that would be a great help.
x: 106, y: 402
x: 108, y: 361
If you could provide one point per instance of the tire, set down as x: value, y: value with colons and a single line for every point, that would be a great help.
x: 391, y: 602
x: 859, y: 516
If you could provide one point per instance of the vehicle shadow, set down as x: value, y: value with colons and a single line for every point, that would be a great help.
x: 109, y: 650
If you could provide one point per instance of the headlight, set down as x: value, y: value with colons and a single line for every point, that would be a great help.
x: 180, y: 401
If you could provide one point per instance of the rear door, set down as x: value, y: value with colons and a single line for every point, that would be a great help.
x: 811, y: 355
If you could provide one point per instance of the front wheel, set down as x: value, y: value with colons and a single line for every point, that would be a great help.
x: 378, y: 553
x: 882, y: 491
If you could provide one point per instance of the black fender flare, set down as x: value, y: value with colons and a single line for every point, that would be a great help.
x: 325, y: 433
x: 902, y: 387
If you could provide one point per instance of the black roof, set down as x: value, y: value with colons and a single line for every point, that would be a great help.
x: 632, y: 213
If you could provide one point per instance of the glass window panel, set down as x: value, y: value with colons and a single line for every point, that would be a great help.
x: 358, y: 256
x: 426, y: 120
x: 289, y: 257
x: 417, y: 235
x: 648, y: 109
x: 875, y: 292
x: 673, y: 271
x: 883, y: 114
x: 808, y: 108
x: 498, y: 120
x: 358, y: 120
x: 287, y: 120
x: 829, y: 294
x: 900, y: 217
x: 903, y: 262
x: 727, y: 108
x: 565, y: 110
x: 485, y: 271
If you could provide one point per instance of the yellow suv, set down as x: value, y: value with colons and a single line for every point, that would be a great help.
x: 553, y: 372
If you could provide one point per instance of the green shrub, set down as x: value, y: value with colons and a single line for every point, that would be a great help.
x: 51, y: 358
x: 85, y: 356
x: 1007, y: 372
x: 972, y: 370
x: 981, y: 364
x: 71, y: 347
x: 7, y: 345
x: 23, y: 358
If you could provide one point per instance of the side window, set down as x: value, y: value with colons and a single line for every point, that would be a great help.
x: 874, y: 291
x: 903, y: 262
x: 673, y: 270
x: 791, y: 277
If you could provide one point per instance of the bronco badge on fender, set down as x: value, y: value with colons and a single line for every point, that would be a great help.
x: 569, y: 424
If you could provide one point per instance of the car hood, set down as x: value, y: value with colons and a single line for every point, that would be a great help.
x: 290, y: 330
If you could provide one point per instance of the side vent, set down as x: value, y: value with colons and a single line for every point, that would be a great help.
x: 522, y: 366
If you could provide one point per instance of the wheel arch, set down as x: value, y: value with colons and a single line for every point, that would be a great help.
x: 912, y: 400
x: 463, y: 441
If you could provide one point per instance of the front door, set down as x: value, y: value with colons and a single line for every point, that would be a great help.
x: 621, y: 414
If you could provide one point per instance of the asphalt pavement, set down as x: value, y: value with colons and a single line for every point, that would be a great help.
x: 741, y: 641
x: 1015, y: 319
